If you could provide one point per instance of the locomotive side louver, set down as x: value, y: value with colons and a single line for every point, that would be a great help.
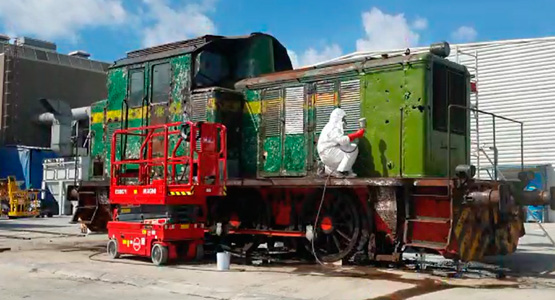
x: 349, y: 99
x: 294, y: 113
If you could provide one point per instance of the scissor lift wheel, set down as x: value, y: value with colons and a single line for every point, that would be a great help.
x: 159, y: 254
x: 112, y: 249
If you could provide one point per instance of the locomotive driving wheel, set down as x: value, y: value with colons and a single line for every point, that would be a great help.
x: 337, y: 229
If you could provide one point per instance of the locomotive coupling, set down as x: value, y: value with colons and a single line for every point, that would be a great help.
x: 483, y: 197
x: 537, y: 198
x: 523, y: 198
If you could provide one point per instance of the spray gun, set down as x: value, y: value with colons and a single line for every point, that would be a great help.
x: 362, y: 123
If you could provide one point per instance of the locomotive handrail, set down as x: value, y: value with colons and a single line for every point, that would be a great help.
x: 494, y: 116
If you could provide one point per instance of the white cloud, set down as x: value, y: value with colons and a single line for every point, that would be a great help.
x: 51, y: 19
x: 313, y: 56
x: 172, y: 24
x: 384, y: 31
x: 294, y: 58
x: 420, y: 24
x: 464, y: 34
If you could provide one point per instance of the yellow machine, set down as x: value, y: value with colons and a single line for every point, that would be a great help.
x: 17, y: 203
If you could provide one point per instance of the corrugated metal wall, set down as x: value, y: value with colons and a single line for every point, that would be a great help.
x: 515, y: 79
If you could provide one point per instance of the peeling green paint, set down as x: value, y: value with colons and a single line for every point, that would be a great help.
x: 117, y: 88
x: 97, y: 129
x: 250, y: 131
x: 294, y: 158
x: 272, y: 157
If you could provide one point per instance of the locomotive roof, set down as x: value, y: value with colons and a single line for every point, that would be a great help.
x: 186, y: 46
x: 338, y: 69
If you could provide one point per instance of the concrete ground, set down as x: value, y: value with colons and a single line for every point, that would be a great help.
x: 49, y: 259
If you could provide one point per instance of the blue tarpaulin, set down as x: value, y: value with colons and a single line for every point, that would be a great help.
x: 535, y: 213
x: 24, y: 163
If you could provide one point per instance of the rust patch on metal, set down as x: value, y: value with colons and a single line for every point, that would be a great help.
x: 386, y: 207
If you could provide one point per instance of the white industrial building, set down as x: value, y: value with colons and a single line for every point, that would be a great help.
x: 514, y: 79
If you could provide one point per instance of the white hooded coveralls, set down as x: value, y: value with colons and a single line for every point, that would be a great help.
x: 334, y: 147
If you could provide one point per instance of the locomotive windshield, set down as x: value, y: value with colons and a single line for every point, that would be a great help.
x: 449, y: 87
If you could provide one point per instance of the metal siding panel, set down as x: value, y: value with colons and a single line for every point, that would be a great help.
x: 349, y: 97
x: 294, y: 110
x: 516, y: 80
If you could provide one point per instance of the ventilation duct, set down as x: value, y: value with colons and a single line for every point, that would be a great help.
x: 60, y: 137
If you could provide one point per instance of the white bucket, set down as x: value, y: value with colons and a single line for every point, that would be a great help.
x: 223, y: 260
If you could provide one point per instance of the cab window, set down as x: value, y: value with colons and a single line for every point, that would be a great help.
x: 161, y: 79
x: 449, y: 87
x: 136, y: 87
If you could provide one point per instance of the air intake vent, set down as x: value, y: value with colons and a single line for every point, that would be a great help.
x: 199, y: 102
x: 325, y: 103
x: 272, y: 106
x: 349, y: 97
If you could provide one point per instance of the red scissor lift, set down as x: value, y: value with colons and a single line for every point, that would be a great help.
x: 161, y: 176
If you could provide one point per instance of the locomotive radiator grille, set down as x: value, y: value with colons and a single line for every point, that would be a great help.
x: 349, y: 97
x: 324, y: 103
x: 294, y: 112
x: 272, y: 111
x: 198, y: 105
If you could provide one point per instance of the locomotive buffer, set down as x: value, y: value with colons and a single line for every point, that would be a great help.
x: 161, y: 176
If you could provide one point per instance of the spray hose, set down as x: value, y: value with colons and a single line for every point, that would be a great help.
x: 316, y: 220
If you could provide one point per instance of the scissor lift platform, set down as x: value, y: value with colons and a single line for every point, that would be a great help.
x: 160, y: 191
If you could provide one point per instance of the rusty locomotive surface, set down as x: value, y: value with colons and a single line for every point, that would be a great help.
x: 415, y: 186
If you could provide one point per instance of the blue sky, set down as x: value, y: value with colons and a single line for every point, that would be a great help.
x: 312, y: 30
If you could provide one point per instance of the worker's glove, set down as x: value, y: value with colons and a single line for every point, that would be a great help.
x: 356, y: 135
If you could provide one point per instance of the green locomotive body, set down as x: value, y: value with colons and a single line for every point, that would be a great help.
x: 404, y: 99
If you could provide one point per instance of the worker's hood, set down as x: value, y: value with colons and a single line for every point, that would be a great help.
x: 337, y: 118
x: 334, y: 127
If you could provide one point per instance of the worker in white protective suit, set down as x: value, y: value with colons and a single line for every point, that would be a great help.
x: 336, y: 149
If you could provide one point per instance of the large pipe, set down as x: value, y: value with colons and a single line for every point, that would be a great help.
x: 77, y: 114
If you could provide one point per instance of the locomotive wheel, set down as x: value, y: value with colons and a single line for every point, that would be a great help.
x: 337, y: 229
x: 112, y: 249
x: 159, y: 254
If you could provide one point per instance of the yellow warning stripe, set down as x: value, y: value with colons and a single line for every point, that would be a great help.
x: 181, y: 193
x: 252, y: 107
x: 116, y: 115
x: 97, y: 118
x: 461, y: 221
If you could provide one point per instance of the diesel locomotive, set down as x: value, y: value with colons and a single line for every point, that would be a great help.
x: 415, y: 185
